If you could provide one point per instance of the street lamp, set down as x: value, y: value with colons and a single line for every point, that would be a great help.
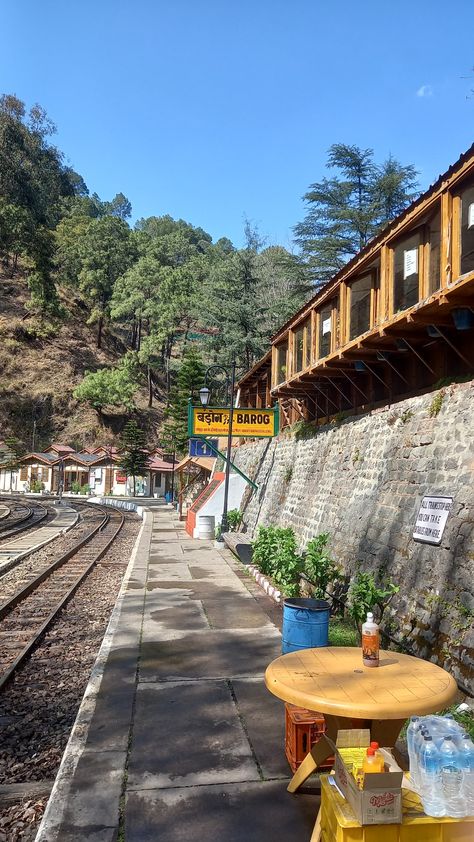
x: 204, y: 395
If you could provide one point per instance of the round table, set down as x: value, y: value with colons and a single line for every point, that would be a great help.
x: 334, y: 680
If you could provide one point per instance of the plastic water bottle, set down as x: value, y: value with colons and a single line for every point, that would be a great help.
x: 420, y: 732
x: 466, y: 749
x: 411, y: 731
x: 430, y: 779
x: 452, y: 778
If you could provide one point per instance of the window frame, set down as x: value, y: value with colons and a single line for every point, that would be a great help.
x: 418, y: 230
x: 373, y: 274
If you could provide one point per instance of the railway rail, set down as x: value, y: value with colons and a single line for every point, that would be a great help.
x: 21, y: 516
x: 30, y: 611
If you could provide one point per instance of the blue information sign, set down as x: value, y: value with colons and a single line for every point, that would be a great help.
x: 198, y: 447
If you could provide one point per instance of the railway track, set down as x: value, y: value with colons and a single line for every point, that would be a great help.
x: 21, y: 516
x: 30, y: 611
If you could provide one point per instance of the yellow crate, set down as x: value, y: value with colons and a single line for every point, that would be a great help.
x: 338, y: 823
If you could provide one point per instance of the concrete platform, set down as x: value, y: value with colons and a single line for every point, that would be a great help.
x: 177, y: 737
x: 13, y: 551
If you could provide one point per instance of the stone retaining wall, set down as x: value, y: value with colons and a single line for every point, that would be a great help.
x: 362, y: 481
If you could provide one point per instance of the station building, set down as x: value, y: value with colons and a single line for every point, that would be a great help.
x: 396, y: 321
x: 97, y: 470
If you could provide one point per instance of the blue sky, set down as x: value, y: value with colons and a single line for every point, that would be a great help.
x: 212, y: 110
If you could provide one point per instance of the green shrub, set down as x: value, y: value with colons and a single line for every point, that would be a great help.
x: 36, y: 486
x: 234, y: 519
x: 85, y: 489
x: 75, y: 487
x: 275, y: 554
x: 436, y: 404
x: 319, y: 566
x: 366, y: 594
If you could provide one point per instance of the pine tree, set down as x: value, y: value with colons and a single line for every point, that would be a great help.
x: 134, y: 457
x: 189, y: 380
x: 349, y: 209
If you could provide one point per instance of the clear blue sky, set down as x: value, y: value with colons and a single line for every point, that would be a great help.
x: 210, y: 110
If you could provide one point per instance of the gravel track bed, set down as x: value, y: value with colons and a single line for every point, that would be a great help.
x: 38, y: 709
x: 32, y: 564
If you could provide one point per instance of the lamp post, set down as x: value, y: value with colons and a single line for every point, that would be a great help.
x: 204, y: 395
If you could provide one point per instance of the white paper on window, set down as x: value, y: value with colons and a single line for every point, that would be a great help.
x: 326, y: 326
x: 470, y: 216
x: 410, y: 262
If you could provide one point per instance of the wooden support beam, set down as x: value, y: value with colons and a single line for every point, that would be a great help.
x: 355, y: 386
x: 341, y: 393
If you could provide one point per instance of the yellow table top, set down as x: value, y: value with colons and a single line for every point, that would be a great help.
x: 333, y: 680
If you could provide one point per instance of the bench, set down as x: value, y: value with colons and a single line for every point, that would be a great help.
x: 239, y: 544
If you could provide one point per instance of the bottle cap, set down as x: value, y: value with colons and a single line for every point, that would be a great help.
x: 374, y: 745
x: 371, y: 752
x: 428, y: 739
x: 370, y: 617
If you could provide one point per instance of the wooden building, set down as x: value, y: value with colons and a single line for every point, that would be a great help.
x: 397, y: 320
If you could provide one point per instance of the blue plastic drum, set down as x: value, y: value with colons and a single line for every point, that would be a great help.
x: 305, y: 624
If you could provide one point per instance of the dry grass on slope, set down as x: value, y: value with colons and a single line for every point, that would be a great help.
x: 41, y: 362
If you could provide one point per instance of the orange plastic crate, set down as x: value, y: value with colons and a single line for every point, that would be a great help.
x: 303, y: 728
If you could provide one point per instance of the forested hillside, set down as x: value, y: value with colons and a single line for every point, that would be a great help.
x: 96, y: 317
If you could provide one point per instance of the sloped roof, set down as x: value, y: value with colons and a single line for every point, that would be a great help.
x: 48, y: 458
x: 206, y: 462
x: 157, y: 464
x: 59, y: 448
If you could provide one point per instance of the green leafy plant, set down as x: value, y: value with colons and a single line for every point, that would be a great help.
x: 356, y: 457
x: 275, y: 554
x: 366, y: 594
x: 288, y: 473
x: 319, y: 566
x: 36, y: 486
x: 75, y: 487
x: 406, y: 415
x: 218, y: 531
x: 436, y: 404
x: 85, y: 489
x: 234, y: 519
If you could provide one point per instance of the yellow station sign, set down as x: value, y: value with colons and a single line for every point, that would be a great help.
x: 248, y: 423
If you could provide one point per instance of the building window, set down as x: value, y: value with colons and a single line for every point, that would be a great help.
x: 325, y: 329
x: 434, y: 240
x: 158, y: 479
x: 299, y: 349
x: 467, y: 231
x: 282, y: 357
x: 23, y: 473
x: 406, y: 273
x: 360, y: 292
x: 306, y: 343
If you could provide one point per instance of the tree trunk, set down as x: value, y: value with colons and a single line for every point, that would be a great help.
x: 150, y: 387
x: 100, y: 325
x: 134, y: 485
x: 134, y: 334
x: 139, y: 334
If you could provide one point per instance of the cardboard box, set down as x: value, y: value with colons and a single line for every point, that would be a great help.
x: 380, y: 799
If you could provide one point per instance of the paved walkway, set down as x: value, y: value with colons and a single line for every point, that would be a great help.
x: 178, y: 735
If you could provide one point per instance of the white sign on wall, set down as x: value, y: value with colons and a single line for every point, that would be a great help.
x: 326, y: 326
x: 431, y: 520
x: 410, y: 262
x: 470, y: 216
